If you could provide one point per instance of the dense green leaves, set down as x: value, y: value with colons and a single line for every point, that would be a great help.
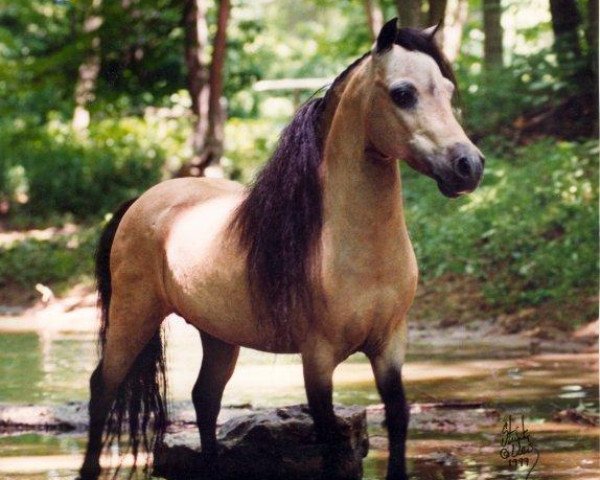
x: 51, y: 169
x: 529, y: 234
x: 56, y: 261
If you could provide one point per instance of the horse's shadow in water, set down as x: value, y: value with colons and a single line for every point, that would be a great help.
x: 314, y: 258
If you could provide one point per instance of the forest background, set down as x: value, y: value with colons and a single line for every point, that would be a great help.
x: 100, y: 99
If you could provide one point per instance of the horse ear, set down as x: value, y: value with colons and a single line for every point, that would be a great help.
x: 387, y: 36
x: 431, y: 31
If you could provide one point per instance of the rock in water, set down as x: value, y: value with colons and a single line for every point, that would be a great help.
x: 269, y: 445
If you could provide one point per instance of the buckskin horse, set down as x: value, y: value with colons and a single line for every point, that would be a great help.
x: 314, y: 258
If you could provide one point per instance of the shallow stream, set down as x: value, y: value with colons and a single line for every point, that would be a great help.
x: 52, y: 367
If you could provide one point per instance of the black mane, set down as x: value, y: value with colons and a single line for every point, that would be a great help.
x: 279, y: 223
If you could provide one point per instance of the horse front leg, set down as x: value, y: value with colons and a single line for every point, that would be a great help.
x: 318, y: 365
x: 387, y: 368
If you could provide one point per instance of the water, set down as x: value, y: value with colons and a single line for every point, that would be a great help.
x: 54, y: 367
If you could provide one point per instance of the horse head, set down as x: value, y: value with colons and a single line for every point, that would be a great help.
x: 411, y: 115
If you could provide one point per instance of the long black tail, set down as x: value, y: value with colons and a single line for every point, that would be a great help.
x: 138, y: 417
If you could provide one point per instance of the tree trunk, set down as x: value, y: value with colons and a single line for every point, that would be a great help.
x: 196, y: 40
x: 374, y: 17
x: 409, y: 13
x: 435, y: 16
x: 592, y: 34
x: 456, y: 17
x: 565, y: 20
x: 206, y: 88
x: 213, y: 145
x: 492, y: 47
x: 437, y: 11
x: 89, y: 69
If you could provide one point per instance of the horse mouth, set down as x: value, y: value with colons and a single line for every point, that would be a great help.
x: 449, y: 189
x: 451, y: 182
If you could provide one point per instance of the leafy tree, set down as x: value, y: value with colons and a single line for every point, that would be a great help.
x: 437, y: 12
x: 591, y: 33
x: 213, y: 144
x: 196, y: 40
x: 454, y: 22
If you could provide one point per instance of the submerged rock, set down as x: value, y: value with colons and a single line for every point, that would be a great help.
x: 269, y: 445
x: 69, y: 417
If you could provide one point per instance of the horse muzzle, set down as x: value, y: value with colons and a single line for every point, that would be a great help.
x: 461, y: 170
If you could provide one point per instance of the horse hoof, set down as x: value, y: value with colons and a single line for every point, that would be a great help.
x: 396, y: 476
x: 207, y: 463
x: 86, y: 476
x: 89, y: 473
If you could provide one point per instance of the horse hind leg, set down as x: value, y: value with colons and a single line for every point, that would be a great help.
x: 99, y: 406
x: 218, y: 363
x: 132, y: 347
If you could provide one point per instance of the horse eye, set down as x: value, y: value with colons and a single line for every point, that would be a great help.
x: 405, y: 96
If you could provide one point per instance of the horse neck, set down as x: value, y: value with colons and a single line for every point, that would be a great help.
x: 362, y: 193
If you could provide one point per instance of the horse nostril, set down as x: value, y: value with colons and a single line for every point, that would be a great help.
x: 463, y: 167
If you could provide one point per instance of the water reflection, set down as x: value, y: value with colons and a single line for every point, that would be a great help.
x: 36, y: 368
x: 50, y: 369
x: 21, y: 368
x: 460, y: 458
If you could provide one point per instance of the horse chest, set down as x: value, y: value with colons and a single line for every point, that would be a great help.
x: 366, y: 293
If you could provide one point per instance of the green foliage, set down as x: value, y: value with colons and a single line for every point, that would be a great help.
x: 143, y: 54
x: 492, y: 100
x: 529, y: 233
x: 51, y: 169
x: 38, y: 58
x: 57, y: 261
x: 537, y: 74
x: 250, y: 142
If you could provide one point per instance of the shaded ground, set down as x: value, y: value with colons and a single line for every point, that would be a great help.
x: 452, y: 300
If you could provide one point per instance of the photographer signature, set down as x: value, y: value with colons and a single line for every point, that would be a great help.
x: 517, y: 445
